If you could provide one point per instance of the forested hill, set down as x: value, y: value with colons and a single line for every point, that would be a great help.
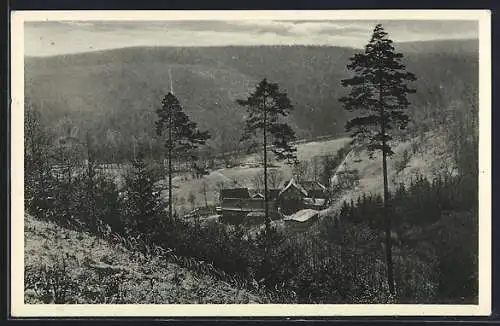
x: 113, y: 93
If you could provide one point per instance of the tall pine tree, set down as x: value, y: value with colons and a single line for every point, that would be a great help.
x: 181, y: 135
x: 378, y: 91
x: 264, y: 107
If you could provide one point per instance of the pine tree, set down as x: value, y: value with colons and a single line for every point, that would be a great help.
x: 96, y: 195
x: 379, y: 90
x: 38, y: 178
x: 86, y: 190
x: 264, y: 107
x: 143, y: 204
x: 182, y: 135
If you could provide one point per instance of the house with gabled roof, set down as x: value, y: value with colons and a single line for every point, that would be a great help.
x: 240, y: 193
x: 296, y: 196
x: 291, y: 197
x: 237, y: 206
x: 314, y: 189
x: 258, y: 196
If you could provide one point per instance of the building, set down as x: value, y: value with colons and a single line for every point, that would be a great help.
x: 296, y: 196
x: 314, y: 189
x: 317, y: 195
x: 291, y: 197
x: 236, y: 206
x: 258, y: 196
x: 241, y: 193
x: 301, y: 220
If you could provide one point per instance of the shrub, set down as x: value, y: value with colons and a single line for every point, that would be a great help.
x: 401, y: 161
x: 51, y: 283
x: 455, y: 238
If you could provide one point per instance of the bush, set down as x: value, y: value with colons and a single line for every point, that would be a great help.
x: 51, y: 284
x: 99, y: 202
x: 401, y: 161
x: 358, y: 264
x: 455, y: 238
x: 415, y: 276
x: 435, y: 249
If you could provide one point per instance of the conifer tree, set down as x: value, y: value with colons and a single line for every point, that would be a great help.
x: 378, y: 91
x: 96, y: 196
x: 89, y: 189
x: 264, y: 107
x: 182, y: 135
x: 38, y: 178
x: 143, y: 205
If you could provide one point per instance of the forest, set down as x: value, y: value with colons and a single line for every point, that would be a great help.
x: 113, y: 94
x: 433, y: 234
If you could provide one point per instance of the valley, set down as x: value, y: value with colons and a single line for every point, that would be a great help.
x: 150, y: 160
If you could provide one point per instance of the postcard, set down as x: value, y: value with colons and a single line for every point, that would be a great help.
x: 251, y: 163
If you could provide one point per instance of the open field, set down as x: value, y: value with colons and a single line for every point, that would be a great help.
x: 244, y: 176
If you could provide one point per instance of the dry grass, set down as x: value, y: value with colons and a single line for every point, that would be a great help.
x: 65, y: 266
x: 427, y: 156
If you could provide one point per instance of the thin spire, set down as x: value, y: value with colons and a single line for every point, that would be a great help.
x: 171, y: 81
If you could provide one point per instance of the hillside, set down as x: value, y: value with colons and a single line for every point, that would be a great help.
x: 114, y: 93
x: 428, y: 155
x: 86, y: 269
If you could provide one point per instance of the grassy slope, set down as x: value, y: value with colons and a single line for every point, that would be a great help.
x: 422, y: 156
x: 138, y: 278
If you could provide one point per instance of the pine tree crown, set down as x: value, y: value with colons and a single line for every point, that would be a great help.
x: 182, y: 134
x: 272, y: 103
x: 378, y: 90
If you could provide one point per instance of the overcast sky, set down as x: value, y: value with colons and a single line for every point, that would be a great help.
x: 62, y: 37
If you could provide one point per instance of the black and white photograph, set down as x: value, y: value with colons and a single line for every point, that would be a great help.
x: 217, y: 163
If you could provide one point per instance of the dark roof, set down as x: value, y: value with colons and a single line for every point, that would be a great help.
x: 271, y: 194
x: 307, y: 188
x: 235, y: 193
x: 312, y: 186
x: 293, y: 184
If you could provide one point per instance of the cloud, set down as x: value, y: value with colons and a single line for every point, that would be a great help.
x: 59, y: 37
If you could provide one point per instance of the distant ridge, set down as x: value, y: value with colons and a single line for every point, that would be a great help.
x: 413, y: 46
x: 116, y: 91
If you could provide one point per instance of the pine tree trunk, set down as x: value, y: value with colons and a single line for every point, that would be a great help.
x: 390, y: 276
x: 387, y: 217
x: 266, y: 207
x: 170, y: 215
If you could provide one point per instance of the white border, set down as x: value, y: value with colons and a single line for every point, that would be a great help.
x: 19, y: 309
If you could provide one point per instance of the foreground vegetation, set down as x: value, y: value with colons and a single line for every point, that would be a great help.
x: 341, y: 260
x: 66, y: 266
